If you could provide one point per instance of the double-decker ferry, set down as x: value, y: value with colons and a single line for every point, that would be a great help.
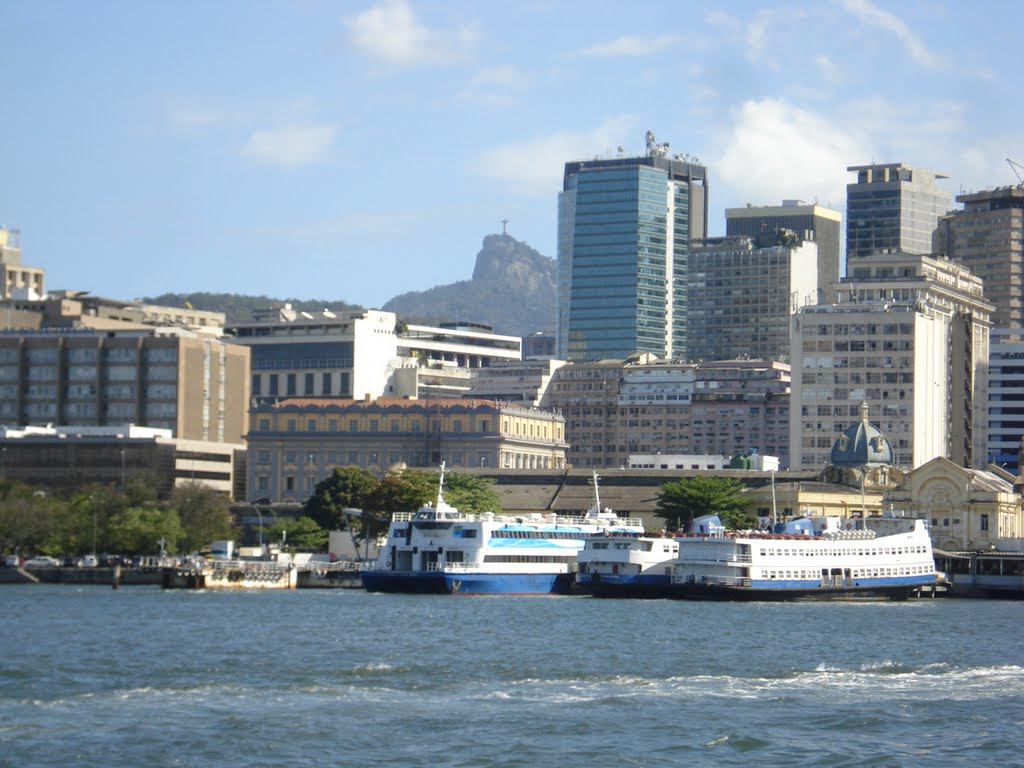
x: 806, y: 558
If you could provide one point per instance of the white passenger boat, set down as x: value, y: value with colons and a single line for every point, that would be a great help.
x: 627, y: 565
x: 439, y: 549
x: 807, y: 558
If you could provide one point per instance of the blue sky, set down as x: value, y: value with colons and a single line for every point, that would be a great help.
x: 357, y: 150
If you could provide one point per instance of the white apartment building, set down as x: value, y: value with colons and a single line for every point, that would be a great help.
x: 910, y: 337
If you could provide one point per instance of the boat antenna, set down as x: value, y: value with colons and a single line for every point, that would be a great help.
x: 597, y: 495
x: 440, y: 486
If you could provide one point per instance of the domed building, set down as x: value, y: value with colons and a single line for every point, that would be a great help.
x: 863, y: 456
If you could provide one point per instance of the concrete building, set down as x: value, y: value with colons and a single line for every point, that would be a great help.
x: 157, y: 377
x: 809, y: 222
x: 17, y: 281
x: 642, y: 406
x: 987, y: 236
x: 1006, y: 398
x: 63, y: 459
x: 363, y: 354
x: 624, y: 229
x: 297, y: 443
x: 741, y: 296
x: 526, y: 381
x: 893, y: 207
x: 910, y: 337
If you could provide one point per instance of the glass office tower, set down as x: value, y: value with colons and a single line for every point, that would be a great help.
x: 624, y: 229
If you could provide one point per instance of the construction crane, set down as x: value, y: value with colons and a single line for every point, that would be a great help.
x: 1017, y: 168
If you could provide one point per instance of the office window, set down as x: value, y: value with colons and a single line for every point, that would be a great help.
x: 394, y: 425
x: 256, y: 385
x: 325, y: 384
x: 291, y: 383
x: 291, y: 425
x: 264, y: 425
x: 272, y: 389
x: 311, y: 425
x: 309, y: 384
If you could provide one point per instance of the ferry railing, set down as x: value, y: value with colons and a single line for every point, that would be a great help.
x: 725, y: 581
x: 537, y: 519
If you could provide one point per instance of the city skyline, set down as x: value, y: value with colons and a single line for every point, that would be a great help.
x: 355, y: 151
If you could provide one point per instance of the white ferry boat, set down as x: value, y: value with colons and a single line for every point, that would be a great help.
x: 807, y: 558
x: 627, y: 565
x: 439, y: 549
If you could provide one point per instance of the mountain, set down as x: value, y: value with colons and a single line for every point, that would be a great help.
x: 512, y: 290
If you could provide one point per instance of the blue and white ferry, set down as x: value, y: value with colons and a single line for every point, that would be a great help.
x: 806, y: 558
x: 439, y: 549
x: 627, y: 565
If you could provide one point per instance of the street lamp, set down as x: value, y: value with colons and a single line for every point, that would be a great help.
x: 122, y: 469
x: 260, y: 516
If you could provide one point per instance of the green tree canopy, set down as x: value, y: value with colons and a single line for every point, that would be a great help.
x: 680, y: 502
x: 298, y: 533
x: 139, y: 530
x: 352, y: 487
x: 205, y: 515
x: 471, y: 494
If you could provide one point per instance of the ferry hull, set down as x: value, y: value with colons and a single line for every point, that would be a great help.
x: 509, y: 583
x: 648, y: 587
x: 408, y: 582
x: 769, y: 594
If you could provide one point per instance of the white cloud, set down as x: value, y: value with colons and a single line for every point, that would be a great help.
x: 868, y: 13
x: 390, y: 31
x: 828, y: 70
x: 777, y: 151
x: 631, y: 45
x: 499, y: 86
x: 290, y: 146
x: 535, y: 167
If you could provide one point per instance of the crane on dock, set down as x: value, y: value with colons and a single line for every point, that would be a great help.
x: 1017, y: 168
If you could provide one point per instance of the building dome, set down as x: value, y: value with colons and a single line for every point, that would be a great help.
x: 862, y: 445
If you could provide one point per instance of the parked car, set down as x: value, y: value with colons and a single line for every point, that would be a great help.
x: 12, y: 561
x: 42, y: 561
x: 90, y: 561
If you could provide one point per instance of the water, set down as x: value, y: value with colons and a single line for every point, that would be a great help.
x: 144, y: 677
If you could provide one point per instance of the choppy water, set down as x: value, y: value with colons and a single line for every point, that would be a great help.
x: 144, y: 677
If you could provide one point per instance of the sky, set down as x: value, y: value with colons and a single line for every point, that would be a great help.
x: 356, y: 150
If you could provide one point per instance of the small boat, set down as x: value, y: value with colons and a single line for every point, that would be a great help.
x: 627, y: 565
x: 805, y: 559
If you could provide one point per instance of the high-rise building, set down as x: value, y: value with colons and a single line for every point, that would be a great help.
x: 165, y: 378
x: 909, y: 336
x: 893, y: 207
x: 741, y: 297
x: 1006, y: 398
x: 624, y: 229
x: 768, y: 225
x: 987, y: 236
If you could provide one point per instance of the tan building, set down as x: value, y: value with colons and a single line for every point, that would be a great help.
x: 910, y: 336
x: 296, y: 443
x: 641, y: 405
x: 67, y: 458
x: 967, y: 509
x: 164, y: 378
x: 17, y: 280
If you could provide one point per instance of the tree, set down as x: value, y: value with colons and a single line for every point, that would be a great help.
x: 205, y: 515
x: 680, y: 502
x: 139, y: 530
x: 471, y: 494
x: 298, y: 533
x: 345, y: 487
x: 26, y: 519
